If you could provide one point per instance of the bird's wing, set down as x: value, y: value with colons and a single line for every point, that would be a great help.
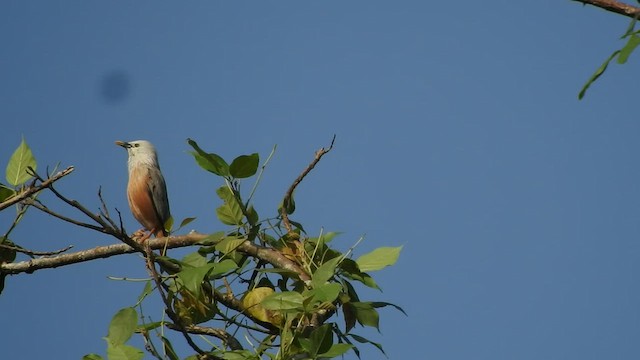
x: 158, y: 193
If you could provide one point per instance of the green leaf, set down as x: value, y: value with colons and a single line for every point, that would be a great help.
x: 244, y: 166
x: 363, y: 340
x: 289, y: 273
x: 325, y: 271
x: 122, y: 326
x: 379, y: 304
x: 626, y: 51
x: 192, y: 277
x: 5, y: 193
x: 92, y: 357
x: 7, y: 255
x: 223, y: 267
x: 212, y: 239
x: 327, y: 237
x: 148, y: 289
x: 168, y: 349
x: 230, y: 212
x: 238, y: 355
x: 324, y: 238
x: 289, y: 205
x: 336, y: 350
x: 351, y: 270
x: 365, y: 313
x: 210, y: 162
x: 123, y: 352
x: 325, y: 293
x: 349, y: 313
x: 630, y: 28
x: 351, y: 291
x: 252, y: 304
x: 149, y: 326
x: 320, y: 341
x: 186, y: 222
x: 597, y: 74
x: 288, y: 301
x: 195, y: 259
x: 297, y: 225
x: 168, y: 225
x: 229, y: 244
x: 378, y: 258
x: 21, y: 159
x: 252, y: 215
x: 168, y: 264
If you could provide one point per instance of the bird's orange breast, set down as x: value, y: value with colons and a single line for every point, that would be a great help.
x: 140, y: 200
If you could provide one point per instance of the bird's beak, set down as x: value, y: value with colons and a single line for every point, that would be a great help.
x: 124, y: 144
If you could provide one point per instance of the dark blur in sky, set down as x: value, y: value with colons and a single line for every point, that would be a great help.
x: 459, y: 136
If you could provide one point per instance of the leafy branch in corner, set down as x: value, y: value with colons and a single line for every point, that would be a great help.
x: 631, y: 35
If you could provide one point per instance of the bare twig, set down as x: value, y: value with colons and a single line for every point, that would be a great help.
x: 46, y: 210
x: 270, y: 328
x: 262, y: 169
x: 77, y: 205
x: 35, y: 253
x: 287, y: 196
x: 226, y: 338
x: 104, y: 210
x: 615, y: 6
x: 21, y: 211
x: 35, y: 188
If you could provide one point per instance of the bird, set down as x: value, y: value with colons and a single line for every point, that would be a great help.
x: 146, y: 190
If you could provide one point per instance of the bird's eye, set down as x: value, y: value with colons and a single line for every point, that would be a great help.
x: 136, y: 145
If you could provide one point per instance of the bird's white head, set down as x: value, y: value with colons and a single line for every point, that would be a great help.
x: 140, y: 152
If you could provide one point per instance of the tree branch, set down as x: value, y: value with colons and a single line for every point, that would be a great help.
x: 35, y: 253
x: 274, y: 258
x: 34, y: 189
x: 287, y: 196
x: 100, y: 252
x: 269, y: 255
x: 613, y: 6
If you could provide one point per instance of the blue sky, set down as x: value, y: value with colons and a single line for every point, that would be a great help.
x: 459, y: 136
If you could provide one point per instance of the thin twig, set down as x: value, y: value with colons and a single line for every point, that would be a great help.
x: 21, y: 211
x: 149, y: 345
x: 271, y: 329
x: 614, y: 6
x: 35, y: 253
x: 262, y: 169
x: 34, y: 189
x: 75, y: 204
x: 46, y: 210
x: 287, y: 196
x: 104, y: 210
x: 226, y: 338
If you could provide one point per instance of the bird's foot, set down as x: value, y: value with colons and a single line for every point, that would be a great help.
x: 141, y: 235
